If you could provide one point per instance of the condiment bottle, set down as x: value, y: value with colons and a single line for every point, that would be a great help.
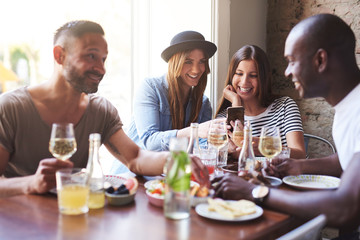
x: 193, y: 147
x: 247, y: 157
x: 177, y: 181
x: 96, y: 176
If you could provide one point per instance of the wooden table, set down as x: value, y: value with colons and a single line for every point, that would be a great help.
x: 37, y: 217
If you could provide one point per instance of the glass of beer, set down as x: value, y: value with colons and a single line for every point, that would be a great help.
x: 72, y: 190
x: 238, y: 133
x: 218, y: 138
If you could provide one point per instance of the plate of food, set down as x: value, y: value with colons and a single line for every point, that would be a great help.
x: 312, y: 182
x: 256, y: 177
x: 155, y: 192
x: 229, y: 210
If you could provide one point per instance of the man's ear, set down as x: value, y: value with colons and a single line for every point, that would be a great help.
x: 59, y: 54
x: 321, y: 60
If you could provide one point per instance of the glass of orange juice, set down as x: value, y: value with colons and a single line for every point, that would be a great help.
x: 72, y: 190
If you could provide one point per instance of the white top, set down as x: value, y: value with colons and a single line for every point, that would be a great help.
x: 346, y: 127
x: 283, y: 113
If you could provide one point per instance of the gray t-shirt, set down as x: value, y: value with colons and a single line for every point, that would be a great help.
x: 26, y: 136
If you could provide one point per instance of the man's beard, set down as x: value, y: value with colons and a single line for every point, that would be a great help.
x: 79, y: 82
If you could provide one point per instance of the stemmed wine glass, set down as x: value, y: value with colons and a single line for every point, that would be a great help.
x: 218, y: 137
x: 62, y: 143
x: 270, y: 142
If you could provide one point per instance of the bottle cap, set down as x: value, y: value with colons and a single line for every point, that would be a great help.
x: 95, y: 136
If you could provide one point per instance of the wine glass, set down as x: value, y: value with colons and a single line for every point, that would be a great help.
x: 270, y: 142
x: 218, y: 137
x: 62, y: 143
x: 238, y: 133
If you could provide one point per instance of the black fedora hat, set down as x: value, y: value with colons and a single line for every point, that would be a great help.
x: 188, y: 40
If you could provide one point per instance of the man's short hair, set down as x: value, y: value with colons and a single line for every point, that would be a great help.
x: 77, y: 29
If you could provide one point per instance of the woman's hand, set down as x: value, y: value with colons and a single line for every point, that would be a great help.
x: 255, y: 144
x: 203, y: 130
x: 200, y: 171
x: 231, y: 95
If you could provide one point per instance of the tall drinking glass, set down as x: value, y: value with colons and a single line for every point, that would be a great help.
x: 72, y: 190
x: 270, y: 142
x: 218, y: 137
x: 62, y: 143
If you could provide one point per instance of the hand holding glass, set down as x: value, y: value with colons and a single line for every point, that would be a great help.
x: 62, y: 143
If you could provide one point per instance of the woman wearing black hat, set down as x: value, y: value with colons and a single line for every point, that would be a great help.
x: 165, y: 106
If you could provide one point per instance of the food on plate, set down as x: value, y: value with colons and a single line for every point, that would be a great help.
x: 156, y: 187
x: 231, y: 209
x: 128, y: 187
x: 255, y: 176
x: 198, y: 191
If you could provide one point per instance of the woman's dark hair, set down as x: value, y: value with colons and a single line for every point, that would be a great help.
x: 251, y: 52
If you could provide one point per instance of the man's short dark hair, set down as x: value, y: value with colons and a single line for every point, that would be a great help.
x: 77, y: 29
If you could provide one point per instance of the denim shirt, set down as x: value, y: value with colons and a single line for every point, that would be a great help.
x: 151, y: 125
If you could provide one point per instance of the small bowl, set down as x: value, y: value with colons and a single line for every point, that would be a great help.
x: 231, y: 168
x: 119, y: 200
x: 274, y: 181
x: 155, y: 199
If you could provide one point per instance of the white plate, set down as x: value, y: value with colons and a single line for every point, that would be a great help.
x: 312, y: 182
x: 202, y: 210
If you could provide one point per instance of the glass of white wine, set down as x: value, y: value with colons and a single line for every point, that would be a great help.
x: 218, y: 137
x: 270, y: 142
x: 62, y: 143
x: 238, y: 133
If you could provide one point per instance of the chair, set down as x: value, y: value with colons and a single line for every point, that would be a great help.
x: 308, y: 231
x: 307, y: 138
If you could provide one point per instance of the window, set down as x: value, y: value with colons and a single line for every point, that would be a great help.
x: 137, y: 32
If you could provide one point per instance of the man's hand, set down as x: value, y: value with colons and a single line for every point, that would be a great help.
x: 231, y: 186
x: 284, y: 167
x: 44, y: 178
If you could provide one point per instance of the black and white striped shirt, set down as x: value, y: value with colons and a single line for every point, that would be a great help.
x: 283, y: 113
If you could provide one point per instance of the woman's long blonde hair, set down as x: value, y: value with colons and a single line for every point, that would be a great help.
x: 175, y: 97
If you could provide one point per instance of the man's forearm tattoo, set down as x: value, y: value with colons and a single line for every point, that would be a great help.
x: 114, y: 149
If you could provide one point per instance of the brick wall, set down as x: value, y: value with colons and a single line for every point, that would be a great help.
x: 282, y: 15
